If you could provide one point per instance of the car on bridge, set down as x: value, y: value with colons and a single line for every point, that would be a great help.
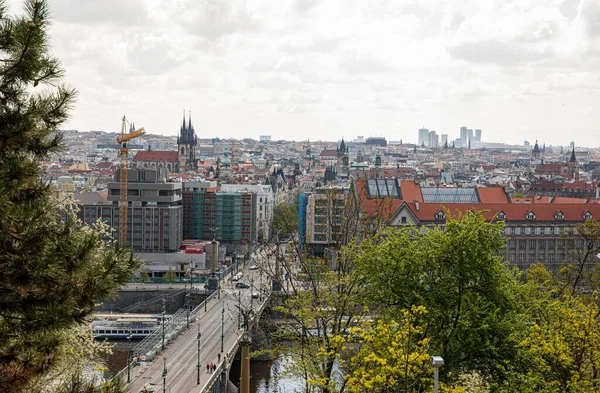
x: 255, y: 294
x: 253, y: 267
x: 241, y: 285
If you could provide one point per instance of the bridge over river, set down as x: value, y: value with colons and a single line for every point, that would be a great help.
x: 174, y: 358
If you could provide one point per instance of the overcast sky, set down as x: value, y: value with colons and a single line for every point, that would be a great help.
x: 323, y: 69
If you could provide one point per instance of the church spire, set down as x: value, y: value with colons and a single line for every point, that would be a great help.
x: 573, y: 158
x: 190, y: 120
x: 183, y: 124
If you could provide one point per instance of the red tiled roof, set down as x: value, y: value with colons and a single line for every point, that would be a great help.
x: 513, y: 211
x: 156, y: 155
x: 492, y: 195
x: 411, y: 191
x: 328, y: 153
x: 104, y: 165
x: 549, y: 168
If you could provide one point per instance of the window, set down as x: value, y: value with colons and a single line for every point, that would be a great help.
x: 509, y: 230
x: 528, y: 231
x: 530, y: 215
x: 521, y: 244
x: 551, y: 257
x: 551, y: 244
x: 587, y: 215
x: 532, y: 244
x: 521, y: 257
x: 531, y: 257
x: 440, y: 215
x: 557, y: 230
x: 511, y: 257
x: 559, y: 215
x: 512, y: 244
x: 402, y: 220
x: 542, y: 244
x: 538, y: 231
x: 517, y: 231
x: 501, y: 215
x: 547, y: 231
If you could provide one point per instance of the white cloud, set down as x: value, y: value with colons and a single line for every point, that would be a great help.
x: 325, y: 68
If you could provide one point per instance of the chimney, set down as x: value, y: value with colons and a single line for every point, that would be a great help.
x: 416, y: 205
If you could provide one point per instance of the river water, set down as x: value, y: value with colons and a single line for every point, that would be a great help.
x: 265, y: 377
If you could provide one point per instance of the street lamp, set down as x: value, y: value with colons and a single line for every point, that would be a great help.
x: 164, y: 301
x: 164, y: 374
x: 240, y: 309
x: 251, y: 291
x: 437, y: 362
x: 187, y: 308
x: 222, y: 325
x: 129, y: 358
x: 198, y: 366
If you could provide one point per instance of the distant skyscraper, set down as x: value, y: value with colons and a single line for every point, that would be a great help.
x: 470, y: 136
x: 433, y: 139
x: 423, y: 136
x: 464, y: 136
x: 444, y: 139
x: 478, y: 135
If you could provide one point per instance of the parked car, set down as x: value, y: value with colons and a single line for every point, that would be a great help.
x: 241, y: 285
x: 253, y: 267
x: 255, y: 294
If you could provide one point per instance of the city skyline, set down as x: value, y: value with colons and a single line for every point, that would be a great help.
x: 322, y: 70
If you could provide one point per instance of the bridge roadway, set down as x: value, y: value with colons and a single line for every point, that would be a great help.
x: 182, y: 354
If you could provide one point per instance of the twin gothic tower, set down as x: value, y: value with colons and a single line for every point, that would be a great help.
x: 186, y: 146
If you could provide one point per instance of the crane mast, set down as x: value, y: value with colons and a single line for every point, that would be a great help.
x: 123, y: 178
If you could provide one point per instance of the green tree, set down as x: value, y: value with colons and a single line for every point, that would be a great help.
x: 456, y: 274
x: 393, y: 356
x: 144, y: 277
x: 559, y: 351
x: 320, y: 309
x: 51, y: 272
x: 583, y: 245
x: 170, y: 276
x: 285, y: 220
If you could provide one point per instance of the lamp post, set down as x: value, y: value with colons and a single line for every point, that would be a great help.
x: 164, y: 301
x: 198, y: 366
x: 251, y: 291
x: 437, y: 362
x: 164, y: 374
x: 222, y: 326
x: 129, y: 359
x: 187, y: 308
x: 240, y: 309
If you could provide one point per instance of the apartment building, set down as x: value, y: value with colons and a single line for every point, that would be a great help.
x: 229, y: 217
x: 155, y: 211
x: 534, y: 231
x: 321, y: 218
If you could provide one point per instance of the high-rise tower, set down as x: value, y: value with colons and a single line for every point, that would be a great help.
x: 186, y: 146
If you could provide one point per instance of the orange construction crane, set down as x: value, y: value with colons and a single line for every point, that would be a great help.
x: 123, y: 177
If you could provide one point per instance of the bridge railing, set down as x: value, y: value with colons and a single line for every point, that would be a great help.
x: 231, y: 353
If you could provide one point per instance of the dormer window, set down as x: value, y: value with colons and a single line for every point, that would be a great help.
x: 501, y: 215
x: 530, y: 215
x: 559, y: 215
x: 440, y: 215
x: 587, y: 215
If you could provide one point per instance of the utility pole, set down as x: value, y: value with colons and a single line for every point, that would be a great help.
x: 222, y: 326
x: 198, y: 366
x: 163, y: 323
